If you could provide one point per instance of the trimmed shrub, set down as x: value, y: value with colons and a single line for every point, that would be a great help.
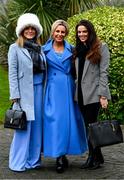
x: 109, y: 24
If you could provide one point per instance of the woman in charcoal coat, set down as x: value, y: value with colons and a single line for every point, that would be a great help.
x: 26, y: 79
x: 92, y: 90
x: 64, y: 130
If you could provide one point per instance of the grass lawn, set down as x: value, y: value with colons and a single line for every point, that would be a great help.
x: 4, y: 93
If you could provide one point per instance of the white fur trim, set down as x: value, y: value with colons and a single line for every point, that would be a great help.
x: 28, y: 19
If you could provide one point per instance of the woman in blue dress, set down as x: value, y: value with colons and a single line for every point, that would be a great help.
x: 26, y: 79
x: 64, y: 130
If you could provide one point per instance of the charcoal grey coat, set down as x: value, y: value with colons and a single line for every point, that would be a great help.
x: 94, y: 82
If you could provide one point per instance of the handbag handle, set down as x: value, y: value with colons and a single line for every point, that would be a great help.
x: 16, y: 102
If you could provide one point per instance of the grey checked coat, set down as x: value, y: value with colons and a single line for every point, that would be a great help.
x: 94, y: 81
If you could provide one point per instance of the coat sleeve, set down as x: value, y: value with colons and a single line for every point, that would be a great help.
x: 13, y: 73
x: 104, y: 67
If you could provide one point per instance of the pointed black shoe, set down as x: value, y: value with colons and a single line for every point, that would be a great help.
x: 96, y: 165
x: 88, y: 163
x: 98, y: 155
x: 59, y: 165
x: 65, y: 161
x: 101, y: 158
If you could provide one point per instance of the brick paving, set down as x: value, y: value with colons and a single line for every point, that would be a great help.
x: 113, y: 167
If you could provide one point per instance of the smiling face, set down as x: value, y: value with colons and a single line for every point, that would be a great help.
x: 82, y: 33
x: 59, y: 33
x: 29, y: 32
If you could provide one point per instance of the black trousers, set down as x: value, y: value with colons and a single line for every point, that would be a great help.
x: 90, y: 114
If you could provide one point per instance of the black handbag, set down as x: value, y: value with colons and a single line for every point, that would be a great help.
x: 15, y: 119
x: 105, y: 133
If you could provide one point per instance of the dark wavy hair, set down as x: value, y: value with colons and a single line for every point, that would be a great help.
x: 93, y: 42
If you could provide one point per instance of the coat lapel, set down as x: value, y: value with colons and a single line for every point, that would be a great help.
x: 25, y: 51
x: 48, y: 50
x: 76, y: 66
x: 67, y: 51
x: 53, y: 58
x: 87, y: 62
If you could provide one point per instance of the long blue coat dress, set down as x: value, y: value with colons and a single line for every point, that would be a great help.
x: 64, y: 129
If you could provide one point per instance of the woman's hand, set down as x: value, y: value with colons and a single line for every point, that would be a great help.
x: 103, y: 102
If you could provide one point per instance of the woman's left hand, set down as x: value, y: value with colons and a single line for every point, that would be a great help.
x: 103, y: 102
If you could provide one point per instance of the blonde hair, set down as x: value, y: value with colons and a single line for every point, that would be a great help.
x: 57, y: 23
x: 21, y: 39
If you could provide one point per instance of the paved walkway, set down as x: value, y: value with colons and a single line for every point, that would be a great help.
x: 113, y: 167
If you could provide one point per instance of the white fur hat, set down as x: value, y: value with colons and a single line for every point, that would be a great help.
x: 28, y: 19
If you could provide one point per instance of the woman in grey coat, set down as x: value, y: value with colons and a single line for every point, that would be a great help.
x: 92, y: 90
x: 26, y: 81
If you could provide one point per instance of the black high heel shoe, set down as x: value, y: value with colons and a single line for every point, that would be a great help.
x: 96, y: 165
x: 88, y: 163
x: 65, y: 161
x: 59, y: 165
x: 98, y: 159
x: 101, y: 158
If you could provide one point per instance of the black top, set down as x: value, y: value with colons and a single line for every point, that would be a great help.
x: 81, y: 51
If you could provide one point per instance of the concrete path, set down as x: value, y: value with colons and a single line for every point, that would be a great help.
x: 113, y: 167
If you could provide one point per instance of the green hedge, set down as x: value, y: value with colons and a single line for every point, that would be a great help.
x: 109, y: 24
x: 4, y: 93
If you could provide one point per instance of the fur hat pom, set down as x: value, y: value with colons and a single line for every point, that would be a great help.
x: 28, y: 19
